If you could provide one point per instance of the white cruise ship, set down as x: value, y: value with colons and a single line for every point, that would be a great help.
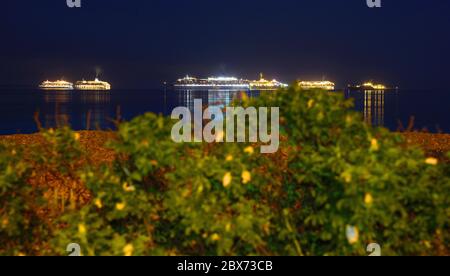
x: 56, y: 85
x: 212, y: 83
x: 92, y: 85
x: 370, y: 86
x: 263, y: 84
x: 324, y: 85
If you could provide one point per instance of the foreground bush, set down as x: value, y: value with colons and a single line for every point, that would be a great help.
x: 335, y: 186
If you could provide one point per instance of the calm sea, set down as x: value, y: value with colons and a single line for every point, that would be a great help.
x: 19, y: 108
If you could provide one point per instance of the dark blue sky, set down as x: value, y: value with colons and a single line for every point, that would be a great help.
x: 141, y: 43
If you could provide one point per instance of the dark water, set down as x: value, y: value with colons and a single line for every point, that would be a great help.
x: 427, y: 110
x: 98, y: 110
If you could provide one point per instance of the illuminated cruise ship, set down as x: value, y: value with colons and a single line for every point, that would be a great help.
x: 212, y: 83
x: 56, y: 85
x: 308, y: 85
x: 370, y: 86
x: 263, y: 84
x: 92, y: 85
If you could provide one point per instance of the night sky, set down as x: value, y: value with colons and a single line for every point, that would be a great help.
x: 142, y: 43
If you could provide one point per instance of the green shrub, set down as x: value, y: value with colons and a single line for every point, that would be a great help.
x: 345, y: 175
x: 335, y: 186
x: 58, y: 161
x: 38, y: 182
x: 120, y: 218
x: 16, y: 216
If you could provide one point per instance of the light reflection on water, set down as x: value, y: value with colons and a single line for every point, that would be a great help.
x: 57, y: 113
x: 373, y: 104
x: 88, y: 108
x: 379, y: 107
x: 216, y: 98
x: 374, y: 107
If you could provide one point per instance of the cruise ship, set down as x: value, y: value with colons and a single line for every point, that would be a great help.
x: 92, y: 85
x: 263, y: 84
x: 324, y: 85
x: 56, y: 85
x: 370, y: 86
x: 212, y: 83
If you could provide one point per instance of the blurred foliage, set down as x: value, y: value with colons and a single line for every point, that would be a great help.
x: 335, y: 186
x: 16, y: 217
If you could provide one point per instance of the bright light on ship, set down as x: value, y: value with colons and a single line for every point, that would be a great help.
x: 187, y: 78
x: 326, y: 85
x: 374, y: 86
x: 92, y: 85
x: 222, y: 79
x: 265, y: 84
x: 224, y: 82
x: 56, y: 85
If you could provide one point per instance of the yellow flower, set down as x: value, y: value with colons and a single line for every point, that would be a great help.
x: 13, y: 152
x: 229, y: 158
x: 215, y: 237
x: 432, y: 161
x: 368, y: 199
x: 310, y: 103
x: 226, y: 181
x: 352, y: 233
x: 98, y: 203
x: 374, y: 145
x: 77, y: 136
x: 81, y: 229
x: 347, y: 176
x: 127, y: 187
x: 200, y: 189
x: 128, y: 250
x: 120, y: 206
x: 250, y: 150
x: 246, y: 177
x: 228, y: 227
x: 348, y: 119
x: 20, y: 254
